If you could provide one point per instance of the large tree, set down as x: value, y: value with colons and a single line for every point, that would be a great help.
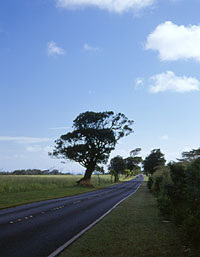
x: 153, y: 160
x: 94, y: 136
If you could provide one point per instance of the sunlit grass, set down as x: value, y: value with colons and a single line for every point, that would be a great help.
x: 133, y: 229
x: 20, y: 189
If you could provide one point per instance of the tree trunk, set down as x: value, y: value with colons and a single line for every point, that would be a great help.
x: 85, y: 181
x: 116, y: 178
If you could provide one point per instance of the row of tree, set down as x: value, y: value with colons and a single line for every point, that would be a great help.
x: 129, y: 166
x: 34, y: 172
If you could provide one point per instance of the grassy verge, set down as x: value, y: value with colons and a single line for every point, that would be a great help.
x: 133, y: 229
x: 19, y: 189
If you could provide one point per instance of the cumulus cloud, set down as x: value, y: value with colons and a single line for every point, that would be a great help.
x: 87, y: 47
x: 53, y: 49
x: 25, y: 140
x: 175, y: 42
x: 110, y: 5
x: 168, y: 81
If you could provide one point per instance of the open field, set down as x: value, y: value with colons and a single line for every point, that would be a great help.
x: 133, y: 229
x: 19, y: 189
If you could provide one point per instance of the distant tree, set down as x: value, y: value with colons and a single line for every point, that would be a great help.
x: 153, y: 160
x: 2, y: 172
x: 132, y: 164
x: 55, y: 172
x: 36, y: 172
x: 117, y: 166
x: 68, y: 173
x: 133, y: 161
x: 94, y: 136
x: 190, y: 155
x: 135, y: 152
x: 28, y: 172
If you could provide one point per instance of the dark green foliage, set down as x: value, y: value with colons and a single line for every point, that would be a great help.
x: 117, y: 166
x: 177, y: 188
x: 132, y: 163
x: 153, y: 160
x: 135, y: 152
x: 191, y: 155
x: 149, y: 183
x: 37, y: 172
x: 94, y: 136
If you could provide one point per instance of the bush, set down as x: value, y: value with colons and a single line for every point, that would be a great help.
x: 157, y: 178
x: 149, y: 183
x: 164, y: 200
x: 177, y: 188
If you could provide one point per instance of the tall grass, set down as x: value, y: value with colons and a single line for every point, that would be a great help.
x: 21, y: 189
x: 27, y: 183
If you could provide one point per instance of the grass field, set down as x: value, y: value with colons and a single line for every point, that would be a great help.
x: 133, y: 229
x: 19, y: 189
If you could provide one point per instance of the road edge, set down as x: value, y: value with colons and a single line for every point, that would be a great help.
x: 65, y: 245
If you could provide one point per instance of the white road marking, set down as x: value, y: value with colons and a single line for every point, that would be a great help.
x: 76, y: 202
x: 62, y: 247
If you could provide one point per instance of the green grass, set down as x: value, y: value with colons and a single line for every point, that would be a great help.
x: 133, y: 229
x: 19, y: 189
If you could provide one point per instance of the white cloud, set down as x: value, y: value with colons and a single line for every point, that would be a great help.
x: 168, y: 81
x: 110, y: 5
x: 139, y: 82
x: 53, y: 49
x: 25, y: 140
x: 175, y: 42
x: 87, y: 47
x: 164, y: 137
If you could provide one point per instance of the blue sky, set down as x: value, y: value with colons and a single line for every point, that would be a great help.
x: 59, y: 58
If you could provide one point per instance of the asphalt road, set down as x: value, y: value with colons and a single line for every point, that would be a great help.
x: 38, y: 229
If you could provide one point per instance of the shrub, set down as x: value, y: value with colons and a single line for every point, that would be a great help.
x: 177, y: 188
x: 149, y: 183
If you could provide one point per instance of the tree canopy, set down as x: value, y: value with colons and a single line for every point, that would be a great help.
x: 133, y: 161
x: 117, y: 166
x: 94, y: 136
x: 153, y: 160
x: 191, y: 155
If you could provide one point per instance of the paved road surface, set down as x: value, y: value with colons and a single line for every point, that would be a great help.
x: 38, y: 229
